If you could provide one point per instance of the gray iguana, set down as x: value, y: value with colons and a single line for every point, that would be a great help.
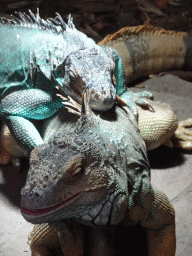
x: 38, y: 55
x: 94, y: 171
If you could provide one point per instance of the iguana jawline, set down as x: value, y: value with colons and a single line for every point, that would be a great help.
x: 42, y: 211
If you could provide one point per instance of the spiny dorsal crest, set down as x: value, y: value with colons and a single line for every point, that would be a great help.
x: 35, y: 21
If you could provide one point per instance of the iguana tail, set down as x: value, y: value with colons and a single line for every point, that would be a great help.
x: 147, y: 50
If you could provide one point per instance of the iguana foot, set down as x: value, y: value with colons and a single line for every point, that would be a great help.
x: 156, y: 128
x: 183, y: 135
x: 24, y: 132
x: 10, y: 151
x: 139, y: 98
x: 42, y: 239
x: 6, y: 157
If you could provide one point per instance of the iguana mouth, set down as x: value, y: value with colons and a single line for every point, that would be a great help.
x: 43, y: 211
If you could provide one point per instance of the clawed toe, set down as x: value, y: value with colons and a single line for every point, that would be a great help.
x: 144, y: 103
x: 6, y: 157
x: 134, y: 99
x: 183, y: 135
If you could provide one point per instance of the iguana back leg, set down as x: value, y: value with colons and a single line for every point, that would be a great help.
x: 6, y: 157
x: 160, y: 226
x: 132, y: 99
x: 24, y: 132
x: 9, y: 149
x: 18, y: 106
x: 157, y: 127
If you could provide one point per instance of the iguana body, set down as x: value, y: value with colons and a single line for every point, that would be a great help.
x: 95, y: 171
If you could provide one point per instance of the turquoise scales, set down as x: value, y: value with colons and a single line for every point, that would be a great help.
x: 38, y: 55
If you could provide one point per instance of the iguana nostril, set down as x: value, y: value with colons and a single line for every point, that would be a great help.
x: 45, y: 177
x: 37, y: 194
x: 96, y: 96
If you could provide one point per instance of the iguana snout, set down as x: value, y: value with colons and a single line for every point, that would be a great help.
x: 90, y: 69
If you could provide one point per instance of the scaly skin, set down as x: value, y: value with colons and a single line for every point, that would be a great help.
x: 36, y: 56
x: 41, y: 64
x: 92, y: 174
x: 156, y: 128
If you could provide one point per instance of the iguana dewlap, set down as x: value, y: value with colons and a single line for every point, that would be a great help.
x: 96, y: 172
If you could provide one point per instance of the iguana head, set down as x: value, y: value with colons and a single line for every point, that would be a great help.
x: 73, y: 176
x: 91, y: 69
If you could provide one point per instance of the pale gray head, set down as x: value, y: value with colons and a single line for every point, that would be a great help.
x: 90, y: 69
x: 73, y: 176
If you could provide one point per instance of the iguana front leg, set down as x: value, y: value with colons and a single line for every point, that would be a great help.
x: 47, y: 236
x: 99, y: 242
x: 70, y: 238
x: 160, y: 226
x: 156, y: 214
x: 43, y: 239
x: 17, y: 107
x: 132, y: 99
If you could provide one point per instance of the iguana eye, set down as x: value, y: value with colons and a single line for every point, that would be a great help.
x: 72, y: 74
x: 112, y: 64
x: 76, y: 173
x: 113, y: 79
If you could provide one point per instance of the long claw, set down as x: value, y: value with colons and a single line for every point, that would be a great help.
x: 144, y: 103
x: 61, y: 93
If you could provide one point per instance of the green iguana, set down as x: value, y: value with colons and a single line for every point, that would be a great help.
x: 36, y: 55
x: 94, y: 171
